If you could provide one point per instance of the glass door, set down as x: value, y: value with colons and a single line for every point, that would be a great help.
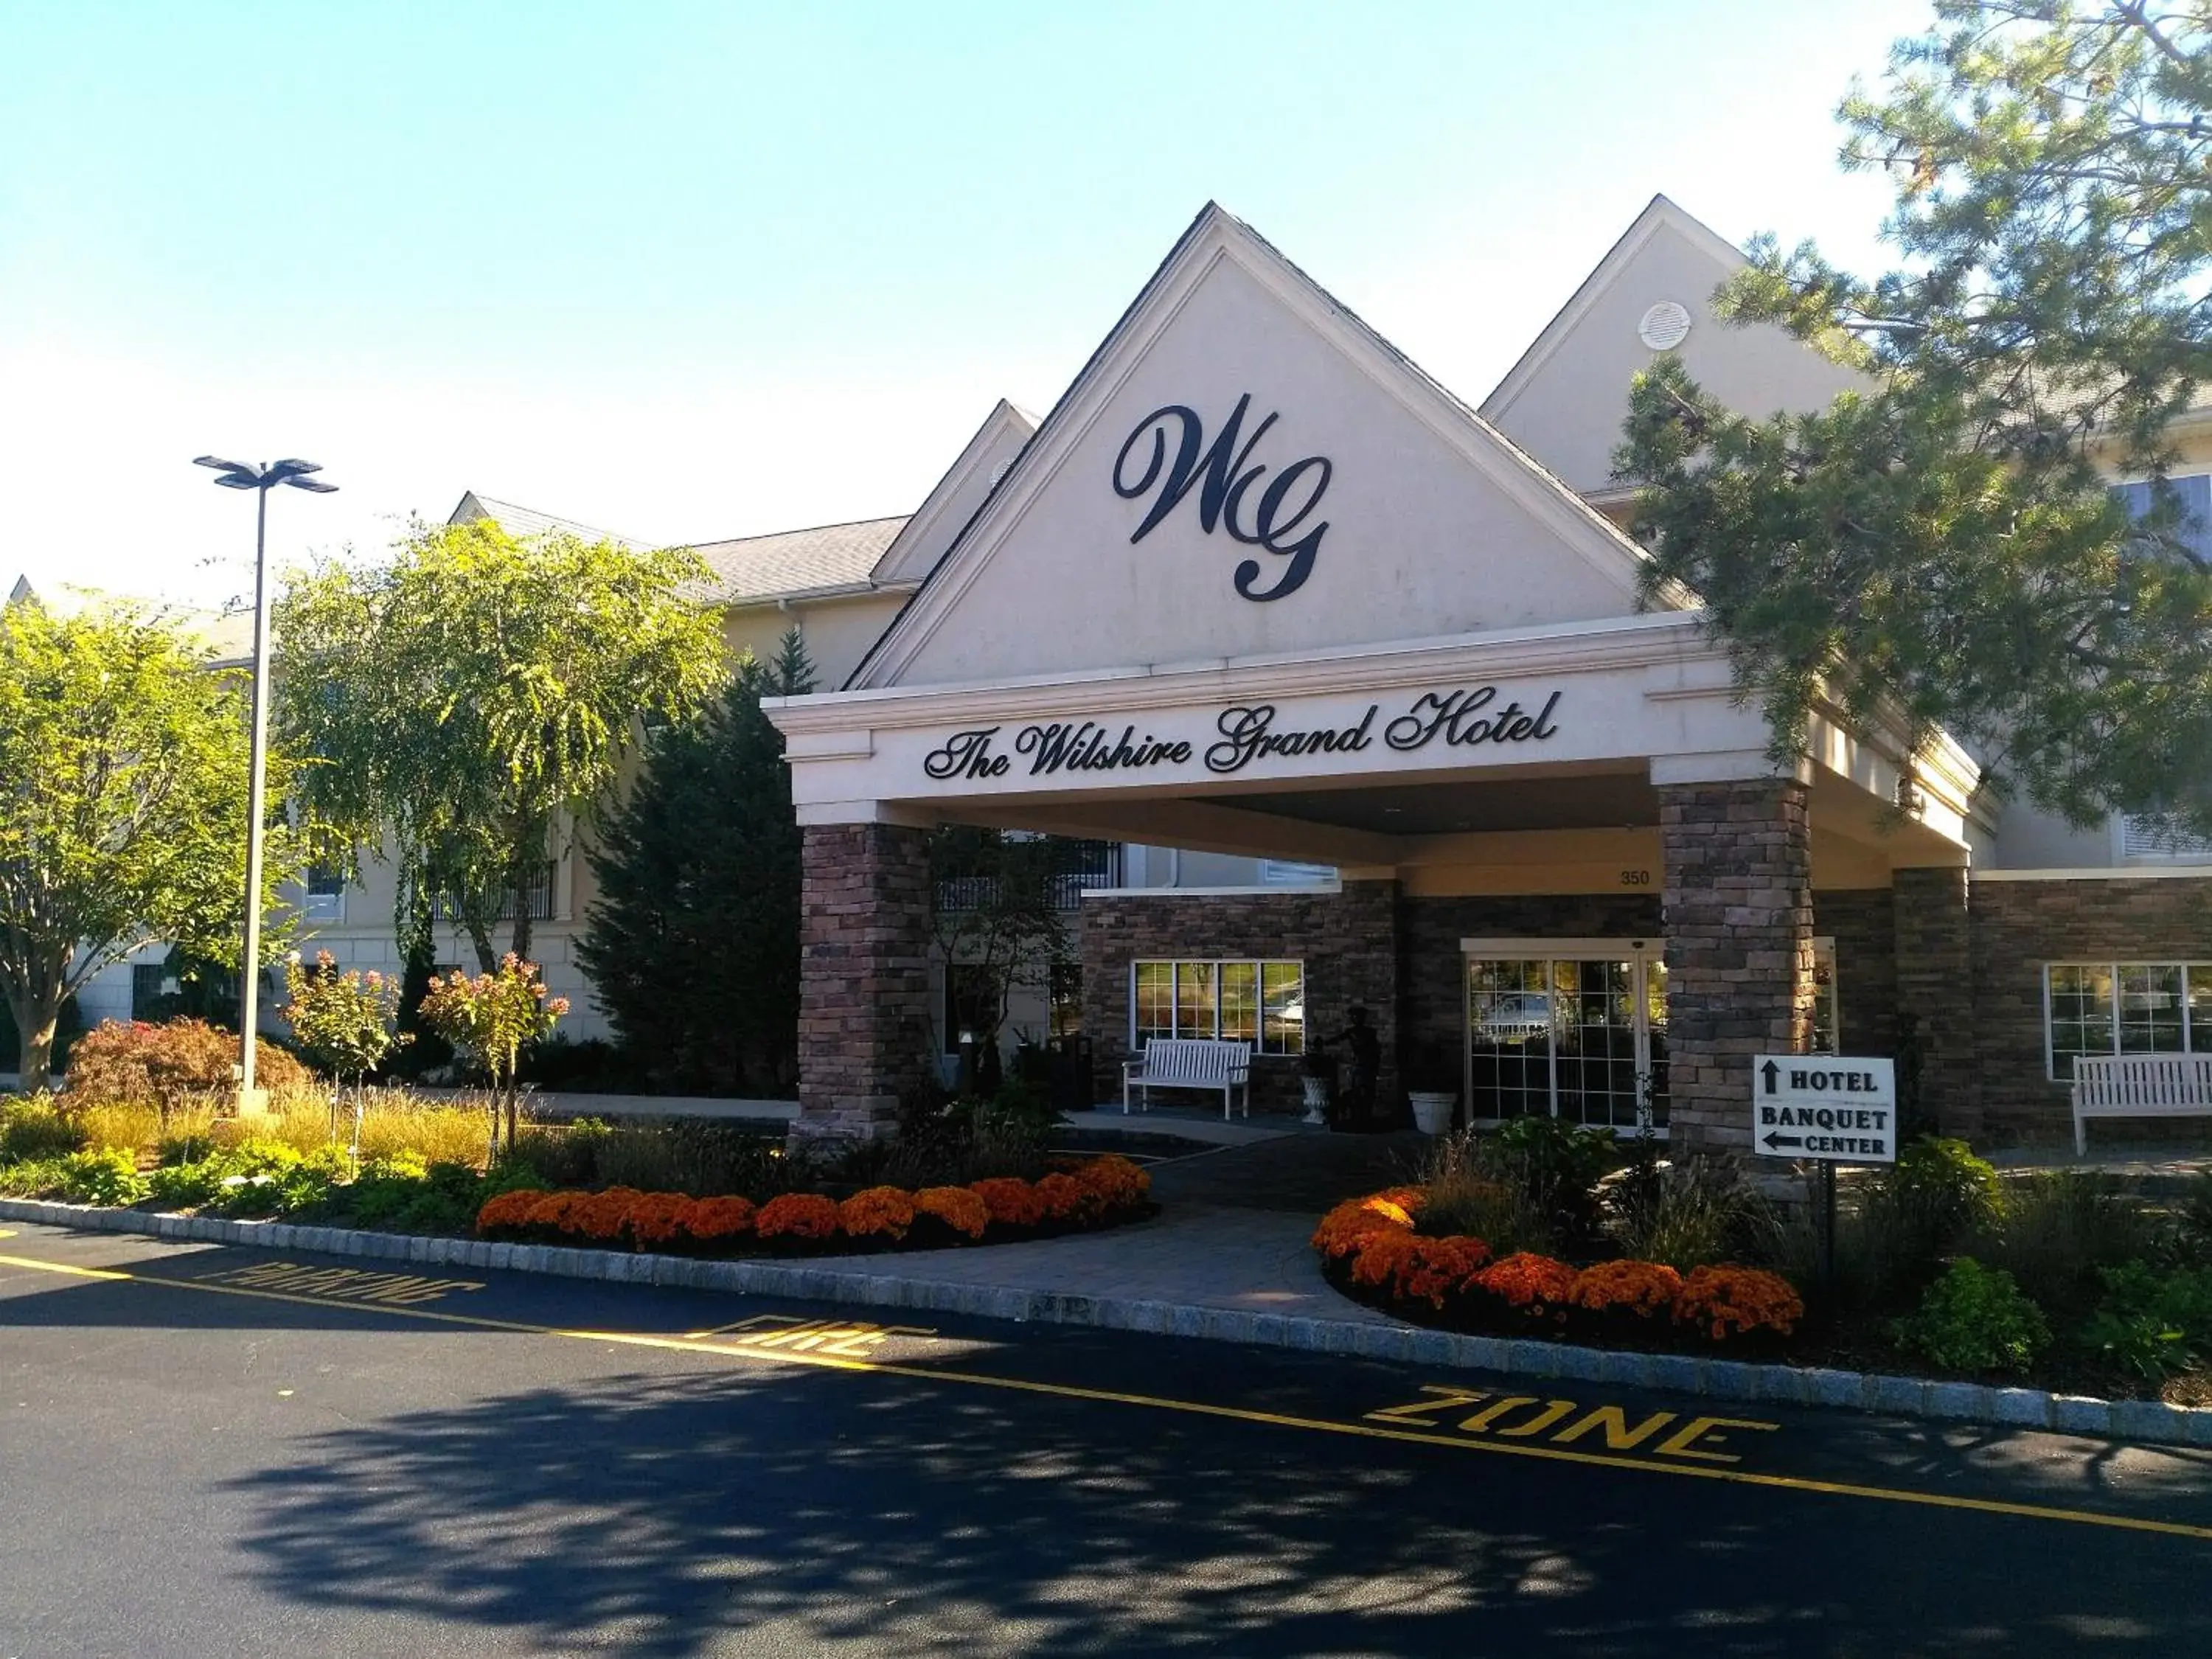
x: 1579, y: 1034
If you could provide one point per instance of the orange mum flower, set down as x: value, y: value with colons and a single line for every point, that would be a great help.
x: 1061, y: 1197
x: 880, y: 1211
x: 1436, y: 1267
x: 1529, y: 1282
x: 800, y: 1215
x: 715, y: 1220
x: 957, y: 1207
x: 1730, y: 1301
x: 552, y: 1211
x: 1643, y: 1288
x: 1012, y: 1201
x: 1113, y: 1182
x: 508, y: 1209
x: 660, y: 1216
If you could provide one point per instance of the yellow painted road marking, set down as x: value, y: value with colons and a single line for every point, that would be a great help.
x: 343, y: 1284
x: 851, y: 1340
x: 1190, y: 1408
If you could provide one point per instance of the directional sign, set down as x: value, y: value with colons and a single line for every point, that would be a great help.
x: 1823, y: 1106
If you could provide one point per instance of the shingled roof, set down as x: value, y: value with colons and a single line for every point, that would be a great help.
x: 522, y: 521
x: 753, y: 569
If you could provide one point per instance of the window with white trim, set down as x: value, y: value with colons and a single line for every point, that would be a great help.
x: 1260, y: 1002
x: 2124, y: 1008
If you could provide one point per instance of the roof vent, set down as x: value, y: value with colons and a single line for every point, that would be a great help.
x: 1665, y: 326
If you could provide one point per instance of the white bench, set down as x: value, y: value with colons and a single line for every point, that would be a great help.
x: 1189, y: 1063
x: 2139, y: 1086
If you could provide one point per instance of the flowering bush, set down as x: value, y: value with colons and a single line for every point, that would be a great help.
x: 1350, y: 1223
x: 604, y: 1215
x: 659, y: 1218
x: 717, y: 1220
x: 170, y: 1066
x: 508, y: 1210
x: 800, y: 1215
x: 552, y: 1212
x: 1642, y: 1289
x: 880, y: 1211
x: 1060, y: 1196
x: 492, y: 1018
x: 1732, y: 1301
x: 1417, y: 1269
x: 957, y: 1207
x: 1531, y: 1285
x: 1112, y: 1182
x: 1012, y: 1201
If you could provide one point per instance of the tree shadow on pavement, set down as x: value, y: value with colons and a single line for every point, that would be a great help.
x: 805, y: 1510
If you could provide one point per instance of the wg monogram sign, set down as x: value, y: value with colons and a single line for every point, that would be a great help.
x: 1225, y: 475
x: 1469, y: 718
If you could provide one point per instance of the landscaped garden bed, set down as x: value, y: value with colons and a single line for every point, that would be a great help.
x: 2060, y: 1280
x: 142, y: 1130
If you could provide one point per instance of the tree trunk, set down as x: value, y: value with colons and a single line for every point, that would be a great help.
x: 522, y: 869
x: 36, y: 1009
x: 480, y: 936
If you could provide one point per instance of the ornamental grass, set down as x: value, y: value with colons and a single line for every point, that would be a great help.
x: 1099, y: 1192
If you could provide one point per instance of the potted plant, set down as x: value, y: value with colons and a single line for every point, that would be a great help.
x: 1317, y: 1084
x: 1433, y: 1087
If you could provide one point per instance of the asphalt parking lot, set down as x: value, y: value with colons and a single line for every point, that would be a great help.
x: 210, y: 1450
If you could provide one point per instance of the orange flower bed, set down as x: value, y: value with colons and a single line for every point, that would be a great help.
x: 880, y: 1211
x: 1371, y: 1242
x: 1097, y: 1192
x: 957, y: 1207
x: 801, y: 1215
x: 1730, y: 1301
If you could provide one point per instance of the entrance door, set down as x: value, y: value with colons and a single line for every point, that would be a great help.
x: 1579, y: 1036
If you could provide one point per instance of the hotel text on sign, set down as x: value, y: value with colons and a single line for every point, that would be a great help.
x: 1823, y: 1106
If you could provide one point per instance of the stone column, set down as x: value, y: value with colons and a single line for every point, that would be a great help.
x: 1938, y: 1081
x: 1738, y: 929
x: 864, y: 1032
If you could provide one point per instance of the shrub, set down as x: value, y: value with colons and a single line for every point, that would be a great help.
x: 1725, y: 1302
x: 1975, y: 1319
x: 1470, y: 1190
x: 2152, y: 1323
x: 1061, y: 1196
x: 878, y: 1212
x: 508, y: 1212
x: 1112, y: 1182
x: 1350, y: 1223
x: 37, y: 1177
x: 107, y: 1176
x: 797, y: 1215
x: 2060, y: 1232
x: 658, y: 1219
x: 957, y: 1207
x: 717, y: 1220
x: 1921, y: 1208
x: 1641, y: 1290
x: 687, y: 1155
x: 1011, y: 1202
x: 135, y: 1128
x: 32, y: 1130
x: 1435, y: 1269
x: 171, y: 1065
x: 1535, y: 1287
x: 1557, y: 1164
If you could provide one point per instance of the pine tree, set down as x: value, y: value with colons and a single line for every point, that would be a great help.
x: 1941, y: 542
x: 693, y: 943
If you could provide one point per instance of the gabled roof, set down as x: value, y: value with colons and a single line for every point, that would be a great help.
x: 792, y: 563
x: 1583, y: 534
x: 227, y: 633
x: 959, y: 495
x: 518, y: 520
x: 1660, y: 213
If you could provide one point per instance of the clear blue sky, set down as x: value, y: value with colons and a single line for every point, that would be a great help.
x: 691, y: 271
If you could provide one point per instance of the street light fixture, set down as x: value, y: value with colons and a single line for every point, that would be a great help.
x: 237, y: 475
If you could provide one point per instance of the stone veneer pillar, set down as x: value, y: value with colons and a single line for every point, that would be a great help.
x: 1739, y: 930
x: 864, y: 1032
x: 1939, y: 1082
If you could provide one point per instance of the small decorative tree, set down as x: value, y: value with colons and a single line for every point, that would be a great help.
x: 344, y: 1022
x: 492, y: 1018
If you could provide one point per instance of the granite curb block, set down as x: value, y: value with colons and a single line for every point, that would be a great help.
x: 2144, y: 1420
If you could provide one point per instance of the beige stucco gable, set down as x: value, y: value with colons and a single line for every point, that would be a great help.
x: 959, y: 495
x: 1358, y: 503
x: 1564, y: 401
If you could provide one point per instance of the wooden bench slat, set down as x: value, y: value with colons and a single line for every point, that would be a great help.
x: 1190, y: 1063
x: 2139, y: 1086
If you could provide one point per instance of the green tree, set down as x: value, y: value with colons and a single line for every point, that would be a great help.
x: 467, y: 701
x: 342, y: 1021
x: 693, y: 943
x: 492, y: 1018
x: 122, y: 763
x: 1941, y: 542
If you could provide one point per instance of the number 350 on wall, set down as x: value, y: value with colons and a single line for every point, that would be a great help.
x: 1636, y: 878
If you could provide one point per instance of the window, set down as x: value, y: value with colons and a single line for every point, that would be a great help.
x: 968, y: 989
x: 325, y: 899
x: 1064, y: 995
x: 2125, y: 1008
x: 2146, y: 838
x: 1826, y: 1035
x: 1262, y: 1003
x: 2192, y: 497
x: 1290, y: 873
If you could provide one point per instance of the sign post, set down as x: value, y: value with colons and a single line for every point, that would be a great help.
x: 1832, y: 1109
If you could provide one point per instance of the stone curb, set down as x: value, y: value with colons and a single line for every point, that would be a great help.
x: 2143, y: 1421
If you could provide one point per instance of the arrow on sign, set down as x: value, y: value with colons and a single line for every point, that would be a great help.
x: 1774, y: 1140
x: 1770, y: 1072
